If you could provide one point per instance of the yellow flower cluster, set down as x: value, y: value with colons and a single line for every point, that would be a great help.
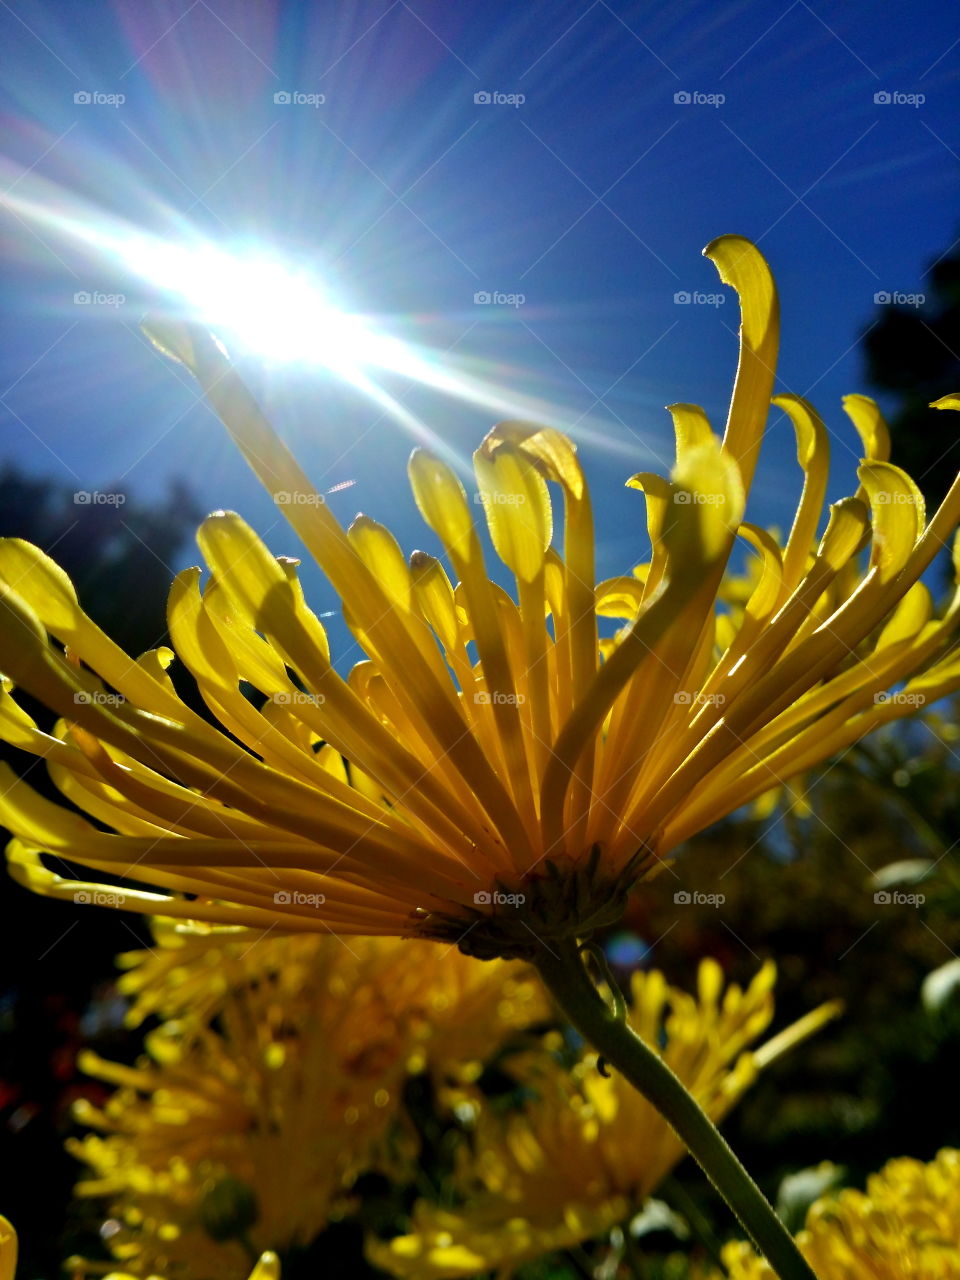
x: 267, y: 1266
x: 275, y: 1081
x: 905, y: 1226
x: 490, y: 773
x: 588, y: 1151
x: 454, y: 1011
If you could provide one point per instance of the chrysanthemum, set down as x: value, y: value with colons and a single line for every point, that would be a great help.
x: 906, y: 1224
x: 267, y: 1115
x: 455, y: 1012
x: 276, y: 1081
x: 488, y: 778
x: 266, y: 1268
x: 584, y: 1156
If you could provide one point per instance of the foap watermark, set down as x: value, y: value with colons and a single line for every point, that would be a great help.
x: 694, y: 498
x: 896, y: 498
x: 697, y: 698
x: 97, y: 698
x: 496, y: 898
x: 901, y: 699
x: 294, y: 898
x: 299, y: 498
x: 98, y: 498
x: 694, y: 98
x: 294, y: 98
x: 694, y: 298
x: 484, y: 698
x: 297, y: 698
x: 499, y: 499
x: 97, y: 298
x: 494, y: 98
x: 497, y: 298
x: 894, y: 98
x: 896, y: 898
x: 897, y: 298
x: 97, y: 898
x: 686, y: 898
x: 94, y: 98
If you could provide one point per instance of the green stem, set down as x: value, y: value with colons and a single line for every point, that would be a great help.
x: 562, y: 971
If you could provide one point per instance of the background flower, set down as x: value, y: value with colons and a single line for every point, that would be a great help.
x: 585, y: 1152
x: 276, y: 1081
x: 903, y: 1224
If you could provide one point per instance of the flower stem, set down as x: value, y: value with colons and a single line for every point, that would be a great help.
x: 563, y: 973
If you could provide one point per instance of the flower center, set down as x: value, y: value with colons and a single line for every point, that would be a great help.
x: 559, y: 900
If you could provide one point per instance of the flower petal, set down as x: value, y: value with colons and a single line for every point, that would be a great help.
x: 865, y: 415
x: 813, y: 454
x: 517, y: 506
x: 740, y: 264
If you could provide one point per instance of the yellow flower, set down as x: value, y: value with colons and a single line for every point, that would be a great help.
x: 482, y: 776
x: 266, y: 1268
x: 8, y: 1250
x: 286, y: 1094
x: 906, y: 1224
x: 455, y: 1011
x: 276, y: 1081
x: 587, y: 1153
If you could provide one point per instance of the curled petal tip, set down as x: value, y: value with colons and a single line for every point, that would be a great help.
x: 721, y: 243
x: 741, y: 265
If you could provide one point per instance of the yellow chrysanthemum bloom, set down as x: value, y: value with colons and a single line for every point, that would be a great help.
x: 285, y: 1096
x: 585, y: 1155
x: 266, y: 1268
x: 905, y: 1226
x: 455, y: 1011
x: 503, y: 786
x: 275, y: 1083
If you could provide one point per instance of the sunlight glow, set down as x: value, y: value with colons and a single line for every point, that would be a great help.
x: 277, y: 312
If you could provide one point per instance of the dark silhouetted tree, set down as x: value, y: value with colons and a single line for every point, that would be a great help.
x: 913, y: 354
x: 119, y: 555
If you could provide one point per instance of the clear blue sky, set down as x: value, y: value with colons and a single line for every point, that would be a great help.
x: 592, y: 198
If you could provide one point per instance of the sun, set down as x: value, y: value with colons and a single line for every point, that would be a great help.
x: 269, y: 307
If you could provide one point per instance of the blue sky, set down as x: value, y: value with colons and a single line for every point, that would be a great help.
x: 618, y: 139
